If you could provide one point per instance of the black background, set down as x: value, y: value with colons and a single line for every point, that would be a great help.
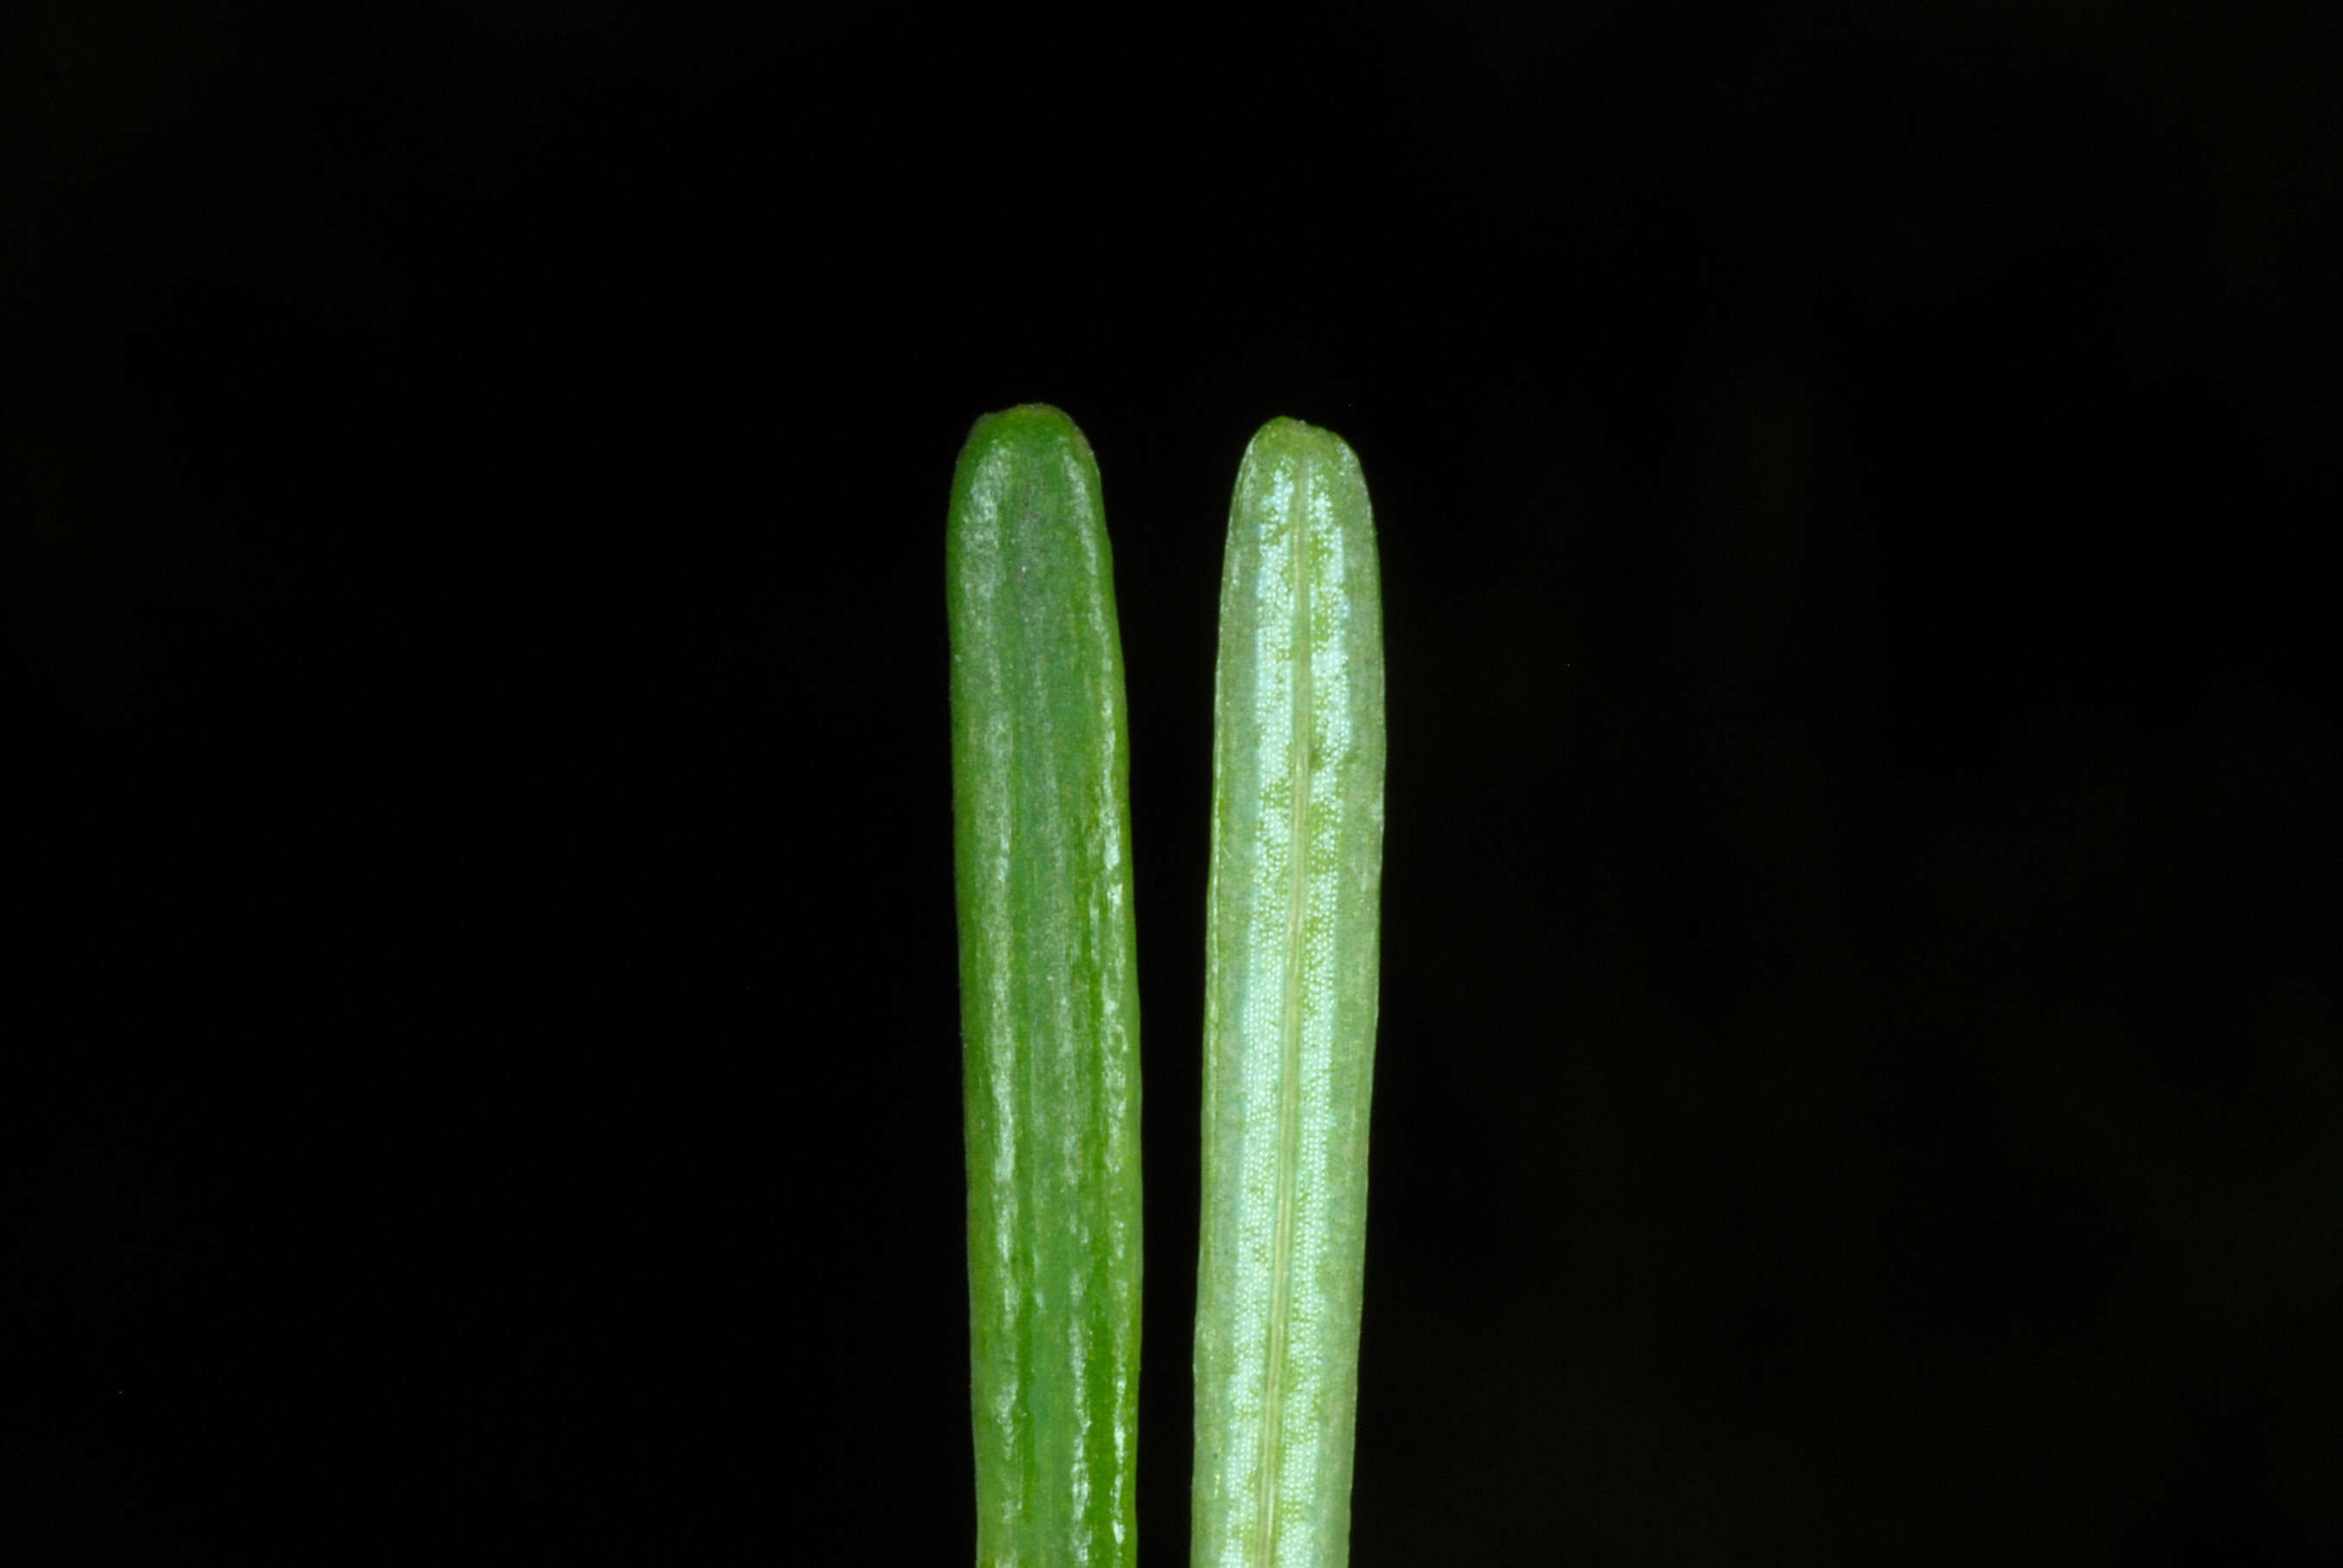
x: 1859, y: 1073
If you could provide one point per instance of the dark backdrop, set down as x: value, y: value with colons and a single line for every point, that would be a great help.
x: 1859, y: 1075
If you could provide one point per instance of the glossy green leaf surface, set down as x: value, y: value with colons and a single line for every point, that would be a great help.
x: 1049, y: 997
x: 1290, y: 1007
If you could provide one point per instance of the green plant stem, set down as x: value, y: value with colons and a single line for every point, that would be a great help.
x: 1050, y: 1003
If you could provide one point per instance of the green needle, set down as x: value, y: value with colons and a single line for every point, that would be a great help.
x: 1290, y: 1007
x: 1050, y: 1000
